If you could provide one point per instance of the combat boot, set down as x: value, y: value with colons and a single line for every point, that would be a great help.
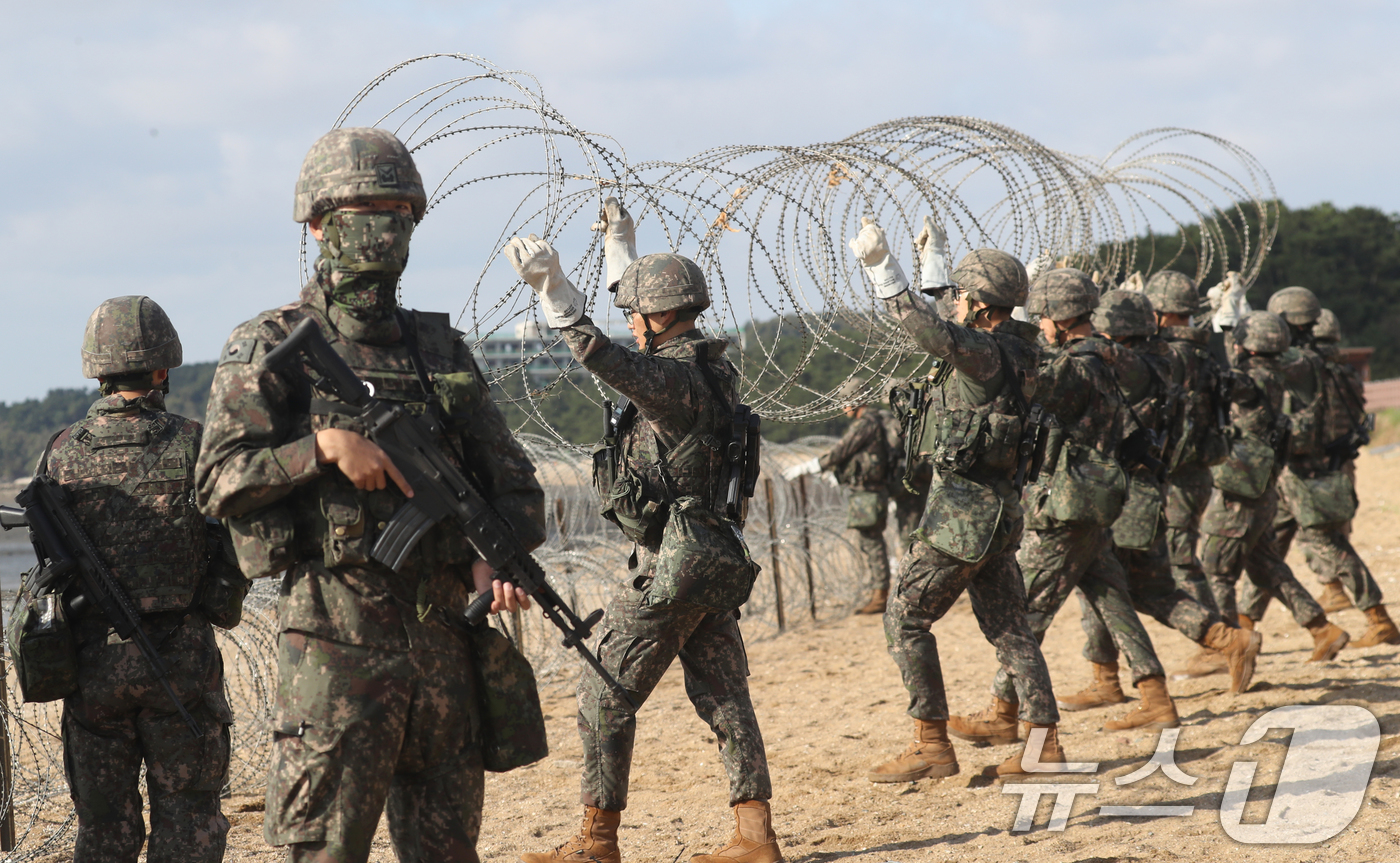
x: 596, y: 841
x: 1155, y: 708
x: 1239, y: 648
x: 1205, y: 662
x: 1381, y: 631
x: 1328, y: 639
x: 753, y: 841
x: 1103, y: 691
x: 877, y: 603
x: 1246, y: 622
x: 996, y: 724
x: 1333, y: 598
x: 1050, y: 753
x: 930, y: 755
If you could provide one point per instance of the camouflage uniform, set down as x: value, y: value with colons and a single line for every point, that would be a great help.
x: 976, y: 383
x: 644, y: 629
x: 861, y: 463
x: 375, y: 694
x: 908, y: 505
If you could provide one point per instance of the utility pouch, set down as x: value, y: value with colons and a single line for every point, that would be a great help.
x: 262, y: 540
x: 224, y: 586
x: 1326, y: 499
x: 44, y: 651
x: 459, y: 394
x: 1137, y: 526
x: 1087, y: 487
x: 508, y: 701
x: 1246, y: 471
x: 961, y: 518
x: 703, y: 559
x: 865, y: 509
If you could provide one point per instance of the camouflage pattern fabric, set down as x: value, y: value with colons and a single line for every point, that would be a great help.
x: 929, y: 583
x: 661, y: 282
x: 120, y: 717
x: 356, y: 165
x: 909, y: 507
x: 357, y: 727
x: 877, y: 556
x: 1239, y: 537
x: 642, y: 633
x: 131, y: 334
x: 861, y: 463
x: 1188, y: 492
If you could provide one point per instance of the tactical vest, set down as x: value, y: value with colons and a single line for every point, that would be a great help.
x: 1197, y: 438
x: 1346, y: 398
x: 131, y: 478
x: 1306, y: 404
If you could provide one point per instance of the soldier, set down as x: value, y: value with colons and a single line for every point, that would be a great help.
x: 1143, y: 373
x: 375, y: 691
x: 690, y: 570
x: 1238, y: 520
x: 129, y: 466
x: 976, y: 411
x: 861, y: 462
x: 1317, y: 497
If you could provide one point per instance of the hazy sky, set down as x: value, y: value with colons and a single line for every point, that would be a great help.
x: 152, y: 147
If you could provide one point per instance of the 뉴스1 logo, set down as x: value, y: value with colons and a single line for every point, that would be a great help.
x: 1318, y: 792
x: 386, y: 175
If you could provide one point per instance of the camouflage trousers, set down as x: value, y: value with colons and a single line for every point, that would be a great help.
x: 1188, y: 494
x: 1057, y: 560
x: 1239, y: 538
x: 1153, y: 591
x: 929, y: 583
x: 641, y: 635
x: 908, y: 510
x: 357, y: 727
x: 877, y: 556
x: 121, y: 716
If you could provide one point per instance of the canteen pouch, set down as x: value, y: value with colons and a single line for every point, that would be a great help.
x: 1137, y: 526
x: 1326, y: 499
x: 262, y: 540
x: 508, y: 702
x: 1246, y: 471
x: 703, y: 559
x: 44, y: 651
x: 1087, y: 487
x: 961, y: 518
x: 865, y: 509
x: 224, y: 586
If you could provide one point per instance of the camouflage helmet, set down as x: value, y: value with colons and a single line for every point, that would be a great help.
x: 850, y: 391
x: 1122, y: 313
x: 1327, y: 328
x: 1174, y: 293
x: 127, y: 336
x: 1063, y: 294
x: 351, y: 166
x: 992, y: 276
x: 1298, y: 306
x: 662, y: 282
x: 1262, y: 332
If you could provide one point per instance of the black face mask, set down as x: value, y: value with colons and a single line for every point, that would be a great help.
x: 362, y: 257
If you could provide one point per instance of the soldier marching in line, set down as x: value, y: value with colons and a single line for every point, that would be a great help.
x: 691, y: 571
x: 1142, y: 368
x: 862, y: 463
x: 375, y: 700
x: 977, y: 410
x: 1316, y: 495
x: 129, y: 468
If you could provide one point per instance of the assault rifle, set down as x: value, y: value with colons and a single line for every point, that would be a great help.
x: 1348, y: 446
x: 741, y: 462
x: 64, y: 550
x: 1035, y: 436
x: 440, y: 493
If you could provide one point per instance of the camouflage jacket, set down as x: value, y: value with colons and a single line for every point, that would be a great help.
x: 1079, y: 389
x: 129, y: 466
x: 1257, y: 395
x: 259, y: 458
x: 1195, y: 370
x: 974, y: 383
x: 1347, y: 394
x: 861, y: 459
x: 1142, y: 370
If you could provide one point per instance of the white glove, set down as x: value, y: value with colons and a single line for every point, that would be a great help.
x: 1134, y: 283
x: 537, y: 263
x: 619, y: 238
x: 934, y: 268
x: 873, y: 252
x: 1042, y: 264
x: 810, y: 466
x: 1233, y: 304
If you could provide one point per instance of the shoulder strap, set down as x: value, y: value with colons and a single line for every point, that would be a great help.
x: 410, y: 340
x: 42, y: 469
x: 1012, y: 376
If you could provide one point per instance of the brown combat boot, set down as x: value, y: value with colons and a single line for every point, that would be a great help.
x: 753, y: 841
x: 1246, y: 622
x: 1328, y: 639
x: 1155, y: 708
x: 1103, y: 691
x: 1381, y: 631
x: 1050, y: 753
x: 1333, y: 598
x: 1205, y: 662
x: 930, y: 755
x: 996, y: 724
x: 596, y: 841
x: 877, y: 603
x: 1239, y: 648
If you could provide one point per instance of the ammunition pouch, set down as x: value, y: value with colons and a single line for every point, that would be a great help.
x: 1328, y: 498
x: 865, y: 510
x: 508, y: 701
x: 263, y: 540
x: 1247, y: 470
x: 1137, y: 526
x: 1087, y: 487
x: 703, y: 559
x: 962, y: 518
x: 42, y: 646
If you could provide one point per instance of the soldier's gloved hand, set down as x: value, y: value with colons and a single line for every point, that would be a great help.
x: 1134, y: 283
x: 507, y: 597
x: 1233, y: 303
x: 810, y: 466
x: 537, y: 263
x: 1043, y: 263
x: 934, y: 265
x: 871, y: 249
x: 619, y: 238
